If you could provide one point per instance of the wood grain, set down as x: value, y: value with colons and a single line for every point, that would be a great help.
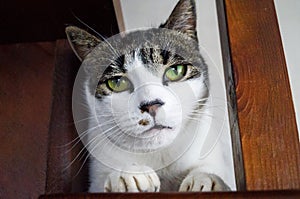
x: 119, y: 15
x: 231, y: 98
x: 26, y: 74
x: 225, y: 195
x: 267, y: 123
x: 64, y: 172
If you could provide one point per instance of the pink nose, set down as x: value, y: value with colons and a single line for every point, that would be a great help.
x: 151, y: 107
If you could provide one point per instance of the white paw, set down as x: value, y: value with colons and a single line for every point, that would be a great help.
x: 133, y: 179
x: 198, y: 181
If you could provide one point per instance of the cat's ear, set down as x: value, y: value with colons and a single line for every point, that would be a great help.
x: 81, y: 41
x: 183, y: 18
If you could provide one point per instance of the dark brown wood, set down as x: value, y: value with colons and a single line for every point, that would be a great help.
x: 231, y: 98
x: 26, y: 74
x: 64, y: 172
x: 266, y: 116
x: 265, y: 194
x: 34, y: 20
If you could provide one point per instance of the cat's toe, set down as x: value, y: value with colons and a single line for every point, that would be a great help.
x: 146, y: 183
x: 203, y: 182
x: 116, y: 182
x: 132, y: 181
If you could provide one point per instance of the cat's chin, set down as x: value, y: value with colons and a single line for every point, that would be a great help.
x: 153, y: 139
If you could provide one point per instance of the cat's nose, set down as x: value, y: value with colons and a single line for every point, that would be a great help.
x: 151, y: 106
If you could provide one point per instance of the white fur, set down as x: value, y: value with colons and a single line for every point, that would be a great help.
x: 133, y: 161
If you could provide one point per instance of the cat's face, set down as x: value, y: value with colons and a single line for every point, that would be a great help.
x: 147, y: 92
x: 149, y: 98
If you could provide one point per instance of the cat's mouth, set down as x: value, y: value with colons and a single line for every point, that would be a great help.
x: 155, y: 128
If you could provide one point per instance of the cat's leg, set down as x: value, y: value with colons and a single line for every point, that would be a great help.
x: 133, y: 179
x: 197, y: 180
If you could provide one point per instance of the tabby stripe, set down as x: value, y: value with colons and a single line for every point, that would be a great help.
x: 165, y: 55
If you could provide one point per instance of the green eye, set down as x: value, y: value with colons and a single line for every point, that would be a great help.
x: 118, y: 84
x: 175, y: 73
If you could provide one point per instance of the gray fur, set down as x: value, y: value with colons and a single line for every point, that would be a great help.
x: 173, y: 111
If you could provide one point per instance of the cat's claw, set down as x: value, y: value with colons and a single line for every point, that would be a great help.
x: 133, y: 179
x: 198, y: 181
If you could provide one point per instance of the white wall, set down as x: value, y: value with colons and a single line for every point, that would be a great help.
x: 288, y: 12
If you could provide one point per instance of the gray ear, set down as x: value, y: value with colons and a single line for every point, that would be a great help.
x: 81, y: 41
x: 183, y: 18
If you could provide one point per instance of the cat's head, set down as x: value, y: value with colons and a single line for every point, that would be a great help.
x: 146, y: 85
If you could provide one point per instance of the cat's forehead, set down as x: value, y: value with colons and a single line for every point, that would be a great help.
x: 153, y: 59
x: 150, y: 58
x: 153, y: 48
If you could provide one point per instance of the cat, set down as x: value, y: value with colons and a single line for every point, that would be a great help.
x: 144, y: 97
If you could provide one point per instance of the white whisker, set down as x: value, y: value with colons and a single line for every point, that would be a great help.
x: 84, y: 133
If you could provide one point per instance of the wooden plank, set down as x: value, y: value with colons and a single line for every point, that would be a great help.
x: 119, y: 15
x: 63, y: 174
x: 231, y: 98
x: 26, y: 73
x: 225, y: 195
x: 265, y: 110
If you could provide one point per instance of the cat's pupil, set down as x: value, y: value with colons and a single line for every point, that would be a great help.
x: 175, y: 71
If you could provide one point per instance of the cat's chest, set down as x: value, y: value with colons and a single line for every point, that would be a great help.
x: 171, y: 179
